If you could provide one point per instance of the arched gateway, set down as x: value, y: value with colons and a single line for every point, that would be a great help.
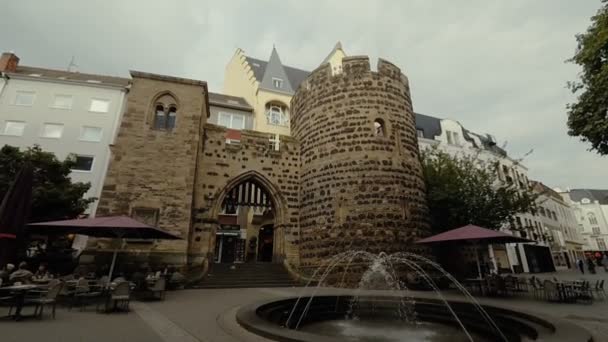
x: 250, y: 215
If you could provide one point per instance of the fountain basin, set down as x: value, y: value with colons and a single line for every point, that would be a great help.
x: 327, y: 320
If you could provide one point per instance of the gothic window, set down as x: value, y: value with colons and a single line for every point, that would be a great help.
x: 379, y: 129
x: 592, y: 218
x: 277, y: 114
x: 165, y: 113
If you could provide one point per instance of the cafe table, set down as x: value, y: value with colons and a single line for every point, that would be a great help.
x: 19, y: 292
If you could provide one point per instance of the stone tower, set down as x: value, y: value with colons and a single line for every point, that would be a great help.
x: 361, y: 180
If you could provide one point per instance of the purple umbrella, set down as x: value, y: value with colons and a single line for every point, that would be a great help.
x: 118, y: 227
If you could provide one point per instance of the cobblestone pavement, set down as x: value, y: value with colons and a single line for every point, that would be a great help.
x: 208, y: 315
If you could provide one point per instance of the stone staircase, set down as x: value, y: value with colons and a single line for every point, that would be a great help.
x: 245, y: 275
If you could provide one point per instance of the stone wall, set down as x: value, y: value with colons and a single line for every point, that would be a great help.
x: 156, y: 169
x: 359, y: 190
x: 223, y: 165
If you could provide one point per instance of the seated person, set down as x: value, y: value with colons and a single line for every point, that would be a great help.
x: 42, y: 274
x: 6, y: 272
x: 22, y: 275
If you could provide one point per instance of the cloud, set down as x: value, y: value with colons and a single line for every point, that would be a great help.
x: 495, y: 66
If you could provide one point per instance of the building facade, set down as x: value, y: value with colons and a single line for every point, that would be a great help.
x: 591, y: 212
x: 66, y: 113
x: 339, y: 183
x: 557, y: 219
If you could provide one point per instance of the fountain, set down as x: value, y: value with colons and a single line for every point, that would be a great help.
x: 379, y: 307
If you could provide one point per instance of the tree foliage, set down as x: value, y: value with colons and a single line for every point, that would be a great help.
x: 465, y: 190
x: 54, y: 196
x: 587, y: 117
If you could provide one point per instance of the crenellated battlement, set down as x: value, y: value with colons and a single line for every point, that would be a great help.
x: 354, y: 66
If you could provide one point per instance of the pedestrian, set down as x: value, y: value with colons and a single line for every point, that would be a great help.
x: 581, y: 265
x: 591, y: 265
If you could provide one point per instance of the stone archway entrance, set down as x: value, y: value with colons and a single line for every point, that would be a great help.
x: 249, y: 217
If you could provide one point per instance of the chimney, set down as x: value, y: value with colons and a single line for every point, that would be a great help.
x: 8, y: 62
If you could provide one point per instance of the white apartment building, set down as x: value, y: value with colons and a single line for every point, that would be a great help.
x: 591, y: 212
x: 451, y: 137
x: 63, y: 112
x: 557, y: 218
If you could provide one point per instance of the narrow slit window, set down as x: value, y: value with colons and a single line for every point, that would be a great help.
x: 379, y: 128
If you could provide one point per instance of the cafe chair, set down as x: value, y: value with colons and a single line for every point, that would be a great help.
x: 50, y: 298
x: 598, y: 290
x: 157, y: 290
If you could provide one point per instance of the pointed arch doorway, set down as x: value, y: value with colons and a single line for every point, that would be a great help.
x: 249, y: 216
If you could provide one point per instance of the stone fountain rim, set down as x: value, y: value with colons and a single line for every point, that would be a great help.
x: 247, y: 317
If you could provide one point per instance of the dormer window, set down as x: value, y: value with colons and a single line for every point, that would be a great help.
x: 165, y: 113
x: 277, y: 82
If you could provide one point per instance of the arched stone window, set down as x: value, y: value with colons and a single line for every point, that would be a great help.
x: 277, y: 114
x: 379, y: 128
x: 592, y: 218
x: 165, y: 113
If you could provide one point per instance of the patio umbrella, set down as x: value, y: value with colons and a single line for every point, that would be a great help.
x: 14, y: 212
x: 474, y: 234
x: 117, y: 227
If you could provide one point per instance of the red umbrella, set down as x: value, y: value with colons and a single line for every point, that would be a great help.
x: 474, y: 234
x: 14, y: 212
x: 118, y: 227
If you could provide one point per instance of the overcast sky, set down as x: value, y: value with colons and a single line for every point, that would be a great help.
x: 495, y: 66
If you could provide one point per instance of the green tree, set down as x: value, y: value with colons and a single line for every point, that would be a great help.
x: 54, y: 196
x: 464, y: 190
x: 587, y: 117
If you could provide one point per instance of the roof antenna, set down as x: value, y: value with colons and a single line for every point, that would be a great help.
x: 72, y: 67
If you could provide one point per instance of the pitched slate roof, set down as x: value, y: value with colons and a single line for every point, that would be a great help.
x: 429, y: 125
x: 294, y: 75
x: 70, y: 76
x: 275, y: 70
x: 599, y: 195
x: 229, y: 101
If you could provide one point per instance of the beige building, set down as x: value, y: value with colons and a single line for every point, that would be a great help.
x: 268, y: 86
x: 557, y: 218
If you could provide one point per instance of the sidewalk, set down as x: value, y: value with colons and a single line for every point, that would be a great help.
x: 208, y: 315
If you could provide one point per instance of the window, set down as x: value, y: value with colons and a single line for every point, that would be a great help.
x: 229, y: 208
x: 541, y: 210
x: 379, y: 129
x: 89, y: 133
x: 25, y: 98
x: 592, y: 218
x: 83, y: 163
x: 277, y: 82
x: 165, y: 113
x: 62, y: 102
x: 171, y: 117
x: 99, y: 106
x: 148, y: 216
x: 601, y: 244
x: 596, y: 230
x: 277, y: 114
x: 50, y: 130
x: 420, y: 133
x: 453, y: 138
x: 231, y: 120
x: 14, y: 128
